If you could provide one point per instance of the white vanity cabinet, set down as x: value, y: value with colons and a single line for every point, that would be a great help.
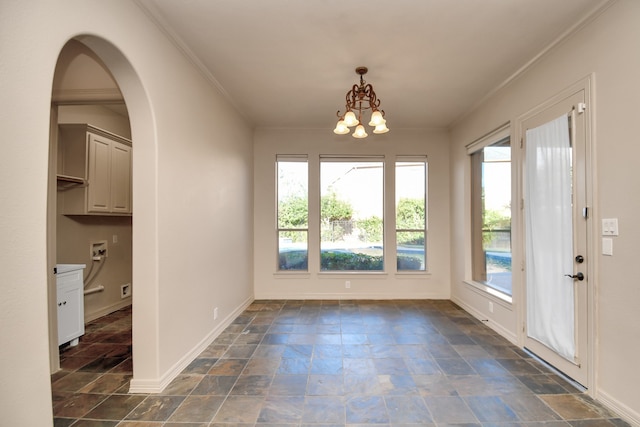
x: 94, y: 171
x: 70, y: 290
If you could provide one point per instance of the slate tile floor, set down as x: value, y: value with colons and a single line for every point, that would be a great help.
x: 326, y: 364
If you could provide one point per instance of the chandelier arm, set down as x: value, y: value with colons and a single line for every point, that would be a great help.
x: 352, y: 97
x: 374, y: 102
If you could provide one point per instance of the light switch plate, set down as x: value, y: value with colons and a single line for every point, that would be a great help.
x: 607, y: 246
x: 610, y: 226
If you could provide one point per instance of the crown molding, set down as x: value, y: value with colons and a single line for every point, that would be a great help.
x: 584, y: 21
x: 156, y: 17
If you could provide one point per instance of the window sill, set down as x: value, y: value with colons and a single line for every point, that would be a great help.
x: 349, y: 274
x: 500, y: 297
x: 409, y: 274
x: 292, y: 274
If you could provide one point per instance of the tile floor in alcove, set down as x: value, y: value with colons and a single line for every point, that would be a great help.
x: 322, y: 364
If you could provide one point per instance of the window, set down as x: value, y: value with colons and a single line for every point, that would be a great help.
x: 491, y: 213
x: 348, y: 201
x: 351, y: 214
x: 293, y: 212
x: 411, y: 185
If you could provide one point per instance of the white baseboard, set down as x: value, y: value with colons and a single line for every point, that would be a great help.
x: 627, y: 414
x: 158, y: 385
x: 504, y: 332
x: 146, y: 386
x: 349, y: 296
x: 88, y: 317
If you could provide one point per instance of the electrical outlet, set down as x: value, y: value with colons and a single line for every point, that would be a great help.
x: 125, y: 291
x: 215, y: 313
x: 490, y: 307
x: 347, y: 284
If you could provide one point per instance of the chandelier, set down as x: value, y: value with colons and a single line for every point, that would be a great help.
x: 360, y: 98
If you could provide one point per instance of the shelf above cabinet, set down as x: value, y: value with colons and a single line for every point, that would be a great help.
x: 66, y: 182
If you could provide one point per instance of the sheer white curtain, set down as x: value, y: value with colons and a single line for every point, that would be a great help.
x: 549, y: 236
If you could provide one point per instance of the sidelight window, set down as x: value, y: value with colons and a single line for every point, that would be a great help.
x: 491, y: 215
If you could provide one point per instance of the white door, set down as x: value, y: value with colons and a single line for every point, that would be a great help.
x: 556, y: 235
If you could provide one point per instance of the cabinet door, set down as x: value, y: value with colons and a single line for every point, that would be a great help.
x: 120, y: 178
x: 70, y: 313
x: 99, y: 188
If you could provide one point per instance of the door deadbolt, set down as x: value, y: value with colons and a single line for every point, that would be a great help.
x: 579, y: 259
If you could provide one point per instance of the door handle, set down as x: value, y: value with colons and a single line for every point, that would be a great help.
x: 578, y: 276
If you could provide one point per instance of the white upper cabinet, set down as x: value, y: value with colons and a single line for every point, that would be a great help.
x: 121, y: 178
x: 94, y: 171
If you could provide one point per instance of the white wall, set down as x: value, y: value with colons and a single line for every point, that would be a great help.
x: 192, y: 178
x: 609, y: 48
x: 101, y: 116
x: 271, y: 284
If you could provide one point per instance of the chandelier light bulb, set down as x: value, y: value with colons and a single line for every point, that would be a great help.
x: 350, y: 119
x: 376, y: 119
x: 381, y: 128
x: 341, y: 128
x: 360, y: 132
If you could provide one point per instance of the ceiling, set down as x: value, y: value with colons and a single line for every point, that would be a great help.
x: 289, y: 63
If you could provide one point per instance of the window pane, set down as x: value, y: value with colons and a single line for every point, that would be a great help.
x: 411, y: 179
x: 411, y: 250
x: 492, y: 216
x: 292, y: 250
x: 351, y: 213
x: 293, y: 204
x: 293, y: 214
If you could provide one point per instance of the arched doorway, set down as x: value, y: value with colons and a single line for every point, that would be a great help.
x: 85, y: 94
x: 130, y: 101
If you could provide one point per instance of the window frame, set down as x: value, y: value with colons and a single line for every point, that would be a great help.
x: 499, y: 135
x: 314, y: 228
x: 291, y: 158
x: 412, y: 159
x: 331, y: 158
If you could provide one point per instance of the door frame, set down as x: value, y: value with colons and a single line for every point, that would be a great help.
x: 585, y: 85
x: 52, y: 207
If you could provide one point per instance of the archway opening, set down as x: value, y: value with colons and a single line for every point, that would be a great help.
x: 95, y: 85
